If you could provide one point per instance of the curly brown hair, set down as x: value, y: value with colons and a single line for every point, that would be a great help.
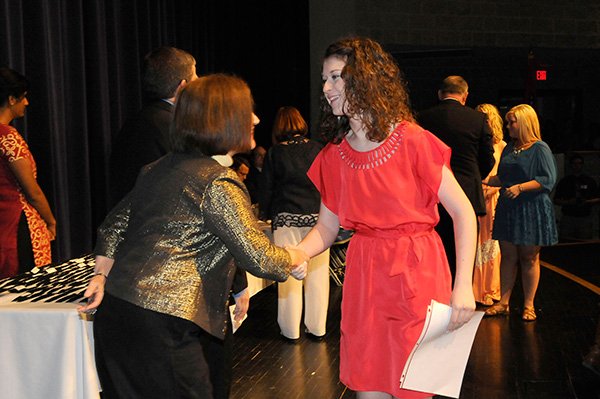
x: 374, y: 86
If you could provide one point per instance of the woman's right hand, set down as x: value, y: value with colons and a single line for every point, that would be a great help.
x: 94, y: 294
x: 299, y: 262
x: 51, y: 231
x: 300, y: 271
x: 298, y: 256
x: 95, y: 290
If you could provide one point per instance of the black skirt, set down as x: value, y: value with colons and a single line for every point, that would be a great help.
x: 145, y: 354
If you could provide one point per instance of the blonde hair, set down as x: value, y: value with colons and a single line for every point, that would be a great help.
x: 529, y: 125
x: 494, y: 119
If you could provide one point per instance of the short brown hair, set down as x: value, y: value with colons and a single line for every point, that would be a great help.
x: 454, y: 84
x: 288, y: 123
x: 163, y: 70
x: 213, y: 114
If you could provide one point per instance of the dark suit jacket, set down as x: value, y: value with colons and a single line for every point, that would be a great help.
x: 467, y: 133
x: 141, y: 140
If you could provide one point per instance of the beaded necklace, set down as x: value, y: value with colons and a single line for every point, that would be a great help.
x: 519, y: 149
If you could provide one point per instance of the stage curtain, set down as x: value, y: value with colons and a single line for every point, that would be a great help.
x: 82, y: 58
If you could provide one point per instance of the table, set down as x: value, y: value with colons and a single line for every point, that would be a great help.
x: 46, y: 346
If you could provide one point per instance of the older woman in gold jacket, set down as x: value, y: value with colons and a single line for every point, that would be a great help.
x: 165, y: 254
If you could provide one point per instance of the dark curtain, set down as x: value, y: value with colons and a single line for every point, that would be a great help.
x: 82, y: 58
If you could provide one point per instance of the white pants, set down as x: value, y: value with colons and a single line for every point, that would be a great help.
x: 316, y: 290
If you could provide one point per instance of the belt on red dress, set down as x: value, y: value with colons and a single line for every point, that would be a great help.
x: 404, y: 248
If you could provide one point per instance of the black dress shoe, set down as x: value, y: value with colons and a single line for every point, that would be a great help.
x: 592, y: 360
x: 313, y: 337
x: 289, y: 340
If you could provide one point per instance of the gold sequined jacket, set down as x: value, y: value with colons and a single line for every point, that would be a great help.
x: 175, y: 236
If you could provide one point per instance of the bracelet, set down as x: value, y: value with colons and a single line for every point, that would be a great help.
x: 100, y: 274
x: 520, y: 188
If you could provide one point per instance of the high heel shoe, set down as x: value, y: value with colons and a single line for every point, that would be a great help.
x: 487, y: 300
x: 497, y: 310
x: 592, y: 359
x: 529, y: 314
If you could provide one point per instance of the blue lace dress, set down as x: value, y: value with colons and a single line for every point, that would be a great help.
x: 528, y: 219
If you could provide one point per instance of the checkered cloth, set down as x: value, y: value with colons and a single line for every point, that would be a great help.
x: 65, y: 282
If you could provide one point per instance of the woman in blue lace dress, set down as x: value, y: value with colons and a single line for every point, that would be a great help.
x: 525, y: 214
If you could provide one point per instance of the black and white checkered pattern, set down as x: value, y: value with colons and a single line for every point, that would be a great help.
x: 65, y: 282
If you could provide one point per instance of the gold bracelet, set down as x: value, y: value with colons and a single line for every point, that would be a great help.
x: 100, y: 274
x: 520, y: 189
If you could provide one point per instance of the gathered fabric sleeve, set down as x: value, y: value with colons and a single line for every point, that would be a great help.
x: 430, y: 155
x: 543, y: 167
x: 12, y: 145
x: 326, y: 175
x: 228, y: 215
x: 113, y: 229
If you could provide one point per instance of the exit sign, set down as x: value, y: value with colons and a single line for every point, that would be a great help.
x: 540, y: 75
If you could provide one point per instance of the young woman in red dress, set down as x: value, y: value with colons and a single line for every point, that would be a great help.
x: 382, y: 176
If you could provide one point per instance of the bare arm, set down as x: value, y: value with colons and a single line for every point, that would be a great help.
x: 322, y: 235
x: 493, y: 181
x: 21, y: 169
x: 95, y: 289
x: 516, y: 190
x: 317, y: 240
x: 465, y: 230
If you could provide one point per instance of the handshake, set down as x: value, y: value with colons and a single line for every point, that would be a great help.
x: 300, y: 260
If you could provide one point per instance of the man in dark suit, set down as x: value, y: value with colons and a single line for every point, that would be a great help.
x: 144, y: 138
x: 257, y: 159
x: 467, y: 133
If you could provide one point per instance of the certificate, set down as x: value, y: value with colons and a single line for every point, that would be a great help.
x: 438, y: 360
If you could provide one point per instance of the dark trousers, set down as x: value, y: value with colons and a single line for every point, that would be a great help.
x: 219, y: 356
x: 445, y: 229
x: 146, y: 354
x: 24, y: 247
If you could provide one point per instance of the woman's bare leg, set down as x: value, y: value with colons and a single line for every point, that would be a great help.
x: 529, y: 258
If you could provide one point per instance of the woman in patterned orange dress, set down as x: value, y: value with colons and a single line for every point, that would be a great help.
x: 27, y: 224
x: 486, y: 273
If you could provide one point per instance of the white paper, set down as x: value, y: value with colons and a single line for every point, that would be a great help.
x: 235, y: 324
x: 438, y: 361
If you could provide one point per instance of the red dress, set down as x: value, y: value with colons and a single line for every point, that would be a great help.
x: 13, y: 202
x: 395, y: 263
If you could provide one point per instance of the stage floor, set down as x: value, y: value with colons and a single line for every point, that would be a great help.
x: 509, y: 359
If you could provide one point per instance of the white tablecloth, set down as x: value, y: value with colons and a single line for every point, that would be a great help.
x: 46, y: 351
x: 46, y: 346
